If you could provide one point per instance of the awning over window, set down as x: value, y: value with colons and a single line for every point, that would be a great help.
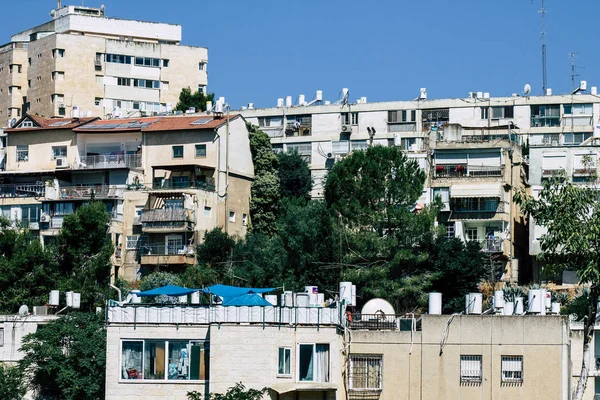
x: 475, y: 190
x: 288, y: 387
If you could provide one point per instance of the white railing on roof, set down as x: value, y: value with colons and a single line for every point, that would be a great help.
x: 200, y: 315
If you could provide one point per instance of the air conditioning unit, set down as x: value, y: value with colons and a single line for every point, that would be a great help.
x: 61, y: 162
x: 347, y: 128
x: 44, y: 217
x: 40, y: 310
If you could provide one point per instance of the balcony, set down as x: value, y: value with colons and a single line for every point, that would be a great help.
x: 89, y: 192
x: 490, y: 245
x: 183, y: 184
x: 487, y: 209
x: 155, y: 254
x: 54, y: 222
x: 108, y: 161
x: 166, y: 220
x: 467, y: 171
x: 23, y: 190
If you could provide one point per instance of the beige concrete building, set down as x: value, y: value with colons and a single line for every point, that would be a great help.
x: 83, y: 63
x: 438, y: 357
x: 165, y: 181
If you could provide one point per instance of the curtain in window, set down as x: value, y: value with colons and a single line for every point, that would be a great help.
x: 306, y: 362
x: 131, y: 360
x: 322, y: 363
x: 373, y: 373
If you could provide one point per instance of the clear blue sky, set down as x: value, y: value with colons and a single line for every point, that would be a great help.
x: 386, y: 50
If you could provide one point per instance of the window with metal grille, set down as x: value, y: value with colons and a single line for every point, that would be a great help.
x: 366, y: 372
x: 131, y: 243
x: 512, y: 369
x: 470, y: 369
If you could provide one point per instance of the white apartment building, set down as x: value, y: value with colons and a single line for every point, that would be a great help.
x: 85, y: 63
x: 474, y: 150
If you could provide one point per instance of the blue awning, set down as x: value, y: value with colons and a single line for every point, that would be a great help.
x: 169, y: 290
x: 250, y: 299
x: 233, y: 291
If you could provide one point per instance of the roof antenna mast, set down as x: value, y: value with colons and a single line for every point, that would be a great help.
x: 544, y: 74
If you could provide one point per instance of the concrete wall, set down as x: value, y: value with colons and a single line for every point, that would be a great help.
x: 14, y: 329
x: 40, y: 149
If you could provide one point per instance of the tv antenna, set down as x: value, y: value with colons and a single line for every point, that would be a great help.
x: 573, y: 73
x: 543, y: 37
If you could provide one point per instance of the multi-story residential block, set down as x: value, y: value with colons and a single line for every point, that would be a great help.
x: 297, y: 352
x: 164, y: 180
x: 85, y: 63
x: 474, y: 150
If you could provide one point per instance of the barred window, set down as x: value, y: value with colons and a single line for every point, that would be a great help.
x: 470, y: 368
x: 366, y: 372
x: 132, y: 242
x: 512, y: 369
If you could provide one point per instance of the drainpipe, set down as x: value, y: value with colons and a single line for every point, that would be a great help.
x: 117, y: 289
x: 227, y: 171
x: 565, y: 371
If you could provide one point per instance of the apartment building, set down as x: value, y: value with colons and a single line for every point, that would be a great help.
x: 85, y: 63
x: 316, y: 353
x: 164, y: 180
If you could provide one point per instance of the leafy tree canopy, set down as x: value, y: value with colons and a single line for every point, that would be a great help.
x: 12, y: 383
x: 294, y: 176
x: 66, y: 359
x: 237, y: 392
x: 198, y: 100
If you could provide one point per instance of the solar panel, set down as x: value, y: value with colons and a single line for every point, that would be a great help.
x: 202, y: 121
x: 60, y: 123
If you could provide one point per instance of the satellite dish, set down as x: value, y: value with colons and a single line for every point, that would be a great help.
x: 23, y: 310
x: 102, y: 7
x: 12, y: 122
x: 52, y: 13
x: 379, y: 307
x: 527, y: 89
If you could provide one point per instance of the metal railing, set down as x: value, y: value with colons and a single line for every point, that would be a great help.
x: 109, y: 161
x: 23, y: 190
x: 466, y: 171
x: 490, y: 245
x: 380, y: 322
x: 87, y: 192
x: 165, y: 250
x: 169, y: 184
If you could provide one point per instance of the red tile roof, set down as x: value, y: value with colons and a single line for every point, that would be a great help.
x: 41, y: 123
x: 156, y: 124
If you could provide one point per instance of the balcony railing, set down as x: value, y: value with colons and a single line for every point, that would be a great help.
x: 381, y: 322
x: 105, y: 161
x: 490, y: 245
x: 87, y: 192
x: 165, y: 250
x: 484, y: 213
x: 169, y: 184
x: 23, y: 190
x: 466, y: 171
x: 166, y: 218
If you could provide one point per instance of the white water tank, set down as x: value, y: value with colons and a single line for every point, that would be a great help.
x: 321, y: 299
x: 346, y: 292
x: 509, y: 308
x: 69, y: 299
x: 499, y: 299
x: 319, y: 95
x: 302, y: 299
x: 435, y: 303
x: 288, y: 101
x: 548, y: 299
x: 195, y: 298
x: 397, y: 140
x: 280, y: 102
x: 473, y: 303
x: 301, y: 100
x: 135, y: 299
x: 287, y: 299
x: 537, y: 301
x: 271, y: 298
x: 312, y: 292
x: 555, y: 308
x: 182, y: 299
x: 353, y: 298
x: 76, y: 301
x: 54, y: 298
x: 76, y: 113
x: 518, y: 306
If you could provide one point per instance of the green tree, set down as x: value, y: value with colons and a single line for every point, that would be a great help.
x: 294, y: 176
x: 66, y: 359
x: 265, y: 191
x: 215, y: 249
x: 159, y: 279
x: 197, y: 100
x: 571, y: 215
x: 12, y: 383
x: 84, y: 251
x: 237, y: 392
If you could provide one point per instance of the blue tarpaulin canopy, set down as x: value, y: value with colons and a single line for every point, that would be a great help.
x: 233, y: 291
x: 169, y: 290
x: 250, y: 299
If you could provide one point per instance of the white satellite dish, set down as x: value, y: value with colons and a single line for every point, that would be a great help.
x: 379, y: 307
x: 527, y: 89
x: 12, y: 122
x: 23, y: 310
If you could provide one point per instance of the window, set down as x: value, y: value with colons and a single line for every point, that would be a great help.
x: 164, y: 360
x: 313, y: 362
x: 29, y: 61
x: 164, y: 85
x: 485, y: 112
x: 450, y: 230
x: 340, y: 147
x: 201, y: 88
x: 59, y: 151
x: 23, y: 153
x: 232, y: 216
x: 576, y: 138
x: 58, y: 53
x: 502, y: 112
x: 131, y: 243
x: 358, y: 145
x: 284, y: 361
x: 366, y: 372
x: 29, y: 83
x: 58, y: 76
x: 545, y: 115
x: 146, y: 83
x: 470, y: 369
x: 402, y: 116
x: 97, y: 101
x: 117, y: 58
x: 207, y: 211
x: 177, y: 151
x: 577, y: 109
x: 1, y: 337
x: 165, y: 63
x: 124, y: 81
x: 350, y: 118
x: 173, y: 204
x: 148, y: 62
x: 200, y: 150
x: 472, y: 234
x: 39, y: 78
x: 202, y: 66
x: 245, y: 219
x: 512, y: 369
